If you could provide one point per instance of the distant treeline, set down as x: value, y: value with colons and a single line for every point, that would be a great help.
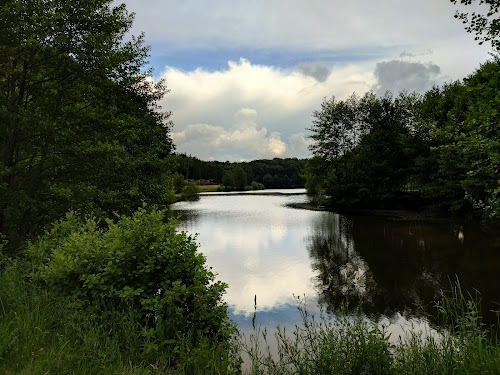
x: 441, y: 148
x: 273, y: 174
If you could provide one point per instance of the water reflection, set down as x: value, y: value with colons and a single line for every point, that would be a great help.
x: 382, y: 267
x: 256, y: 244
x: 343, y: 275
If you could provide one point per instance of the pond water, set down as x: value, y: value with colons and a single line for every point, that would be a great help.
x: 387, y: 267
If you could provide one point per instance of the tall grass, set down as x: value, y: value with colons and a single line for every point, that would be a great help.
x: 352, y: 345
x: 44, y: 334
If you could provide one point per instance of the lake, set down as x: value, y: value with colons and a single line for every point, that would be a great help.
x: 388, y: 267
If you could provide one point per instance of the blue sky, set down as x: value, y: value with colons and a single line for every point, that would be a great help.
x: 245, y: 76
x: 213, y: 59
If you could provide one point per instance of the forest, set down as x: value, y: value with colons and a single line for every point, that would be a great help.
x: 273, y: 174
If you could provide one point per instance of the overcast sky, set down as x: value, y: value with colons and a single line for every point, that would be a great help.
x: 246, y: 75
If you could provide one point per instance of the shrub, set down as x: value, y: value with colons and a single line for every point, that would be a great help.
x: 191, y: 192
x: 257, y: 186
x: 139, y: 264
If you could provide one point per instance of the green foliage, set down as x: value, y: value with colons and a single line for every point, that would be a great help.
x: 442, y: 148
x: 228, y: 181
x: 340, y: 346
x: 353, y: 345
x: 191, y: 192
x: 170, y: 197
x: 42, y: 332
x: 257, y: 186
x: 178, y: 182
x: 240, y: 178
x: 139, y: 265
x: 254, y: 186
x: 79, y: 119
x: 460, y: 123
x: 359, y: 153
x: 283, y: 173
x: 316, y: 178
x: 486, y: 26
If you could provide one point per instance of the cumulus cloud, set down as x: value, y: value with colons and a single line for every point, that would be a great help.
x: 301, y: 52
x: 248, y: 111
x: 243, y: 141
x: 398, y: 75
x: 298, y: 145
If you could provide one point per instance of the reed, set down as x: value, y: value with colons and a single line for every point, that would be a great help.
x: 42, y: 333
x: 353, y: 345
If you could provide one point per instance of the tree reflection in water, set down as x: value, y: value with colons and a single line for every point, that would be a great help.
x: 377, y: 269
x: 343, y: 276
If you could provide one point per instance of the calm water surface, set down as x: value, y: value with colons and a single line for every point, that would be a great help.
x: 386, y: 267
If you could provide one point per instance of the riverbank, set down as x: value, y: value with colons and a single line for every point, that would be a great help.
x: 41, y: 332
x: 403, y: 208
x: 394, y: 214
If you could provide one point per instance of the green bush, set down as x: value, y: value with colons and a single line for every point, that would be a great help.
x: 191, y: 192
x: 42, y: 332
x: 178, y: 182
x: 257, y: 186
x: 139, y: 264
x: 170, y: 196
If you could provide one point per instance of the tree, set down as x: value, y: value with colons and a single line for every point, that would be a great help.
x: 80, y: 125
x: 240, y: 178
x: 228, y: 180
x: 486, y: 26
x: 335, y: 128
x: 464, y: 142
x: 359, y: 149
x: 178, y: 182
x: 191, y: 192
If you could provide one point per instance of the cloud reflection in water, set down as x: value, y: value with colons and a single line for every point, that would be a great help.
x: 257, y: 246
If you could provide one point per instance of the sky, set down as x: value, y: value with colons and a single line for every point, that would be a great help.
x: 246, y: 76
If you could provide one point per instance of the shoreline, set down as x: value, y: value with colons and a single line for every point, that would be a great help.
x: 421, y: 214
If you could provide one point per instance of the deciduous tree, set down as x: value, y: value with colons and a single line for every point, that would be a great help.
x: 486, y: 25
x: 80, y: 126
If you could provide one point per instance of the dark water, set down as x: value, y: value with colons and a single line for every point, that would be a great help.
x: 386, y: 267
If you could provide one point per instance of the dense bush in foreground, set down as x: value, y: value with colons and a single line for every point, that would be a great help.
x: 135, y: 285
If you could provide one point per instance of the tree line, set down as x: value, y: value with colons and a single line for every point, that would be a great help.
x: 441, y: 148
x: 272, y: 174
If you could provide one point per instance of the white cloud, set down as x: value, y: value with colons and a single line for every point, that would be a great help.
x: 250, y: 111
x: 300, y: 52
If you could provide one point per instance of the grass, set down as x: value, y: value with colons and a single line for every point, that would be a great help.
x: 352, y: 345
x: 208, y: 188
x: 43, y: 334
